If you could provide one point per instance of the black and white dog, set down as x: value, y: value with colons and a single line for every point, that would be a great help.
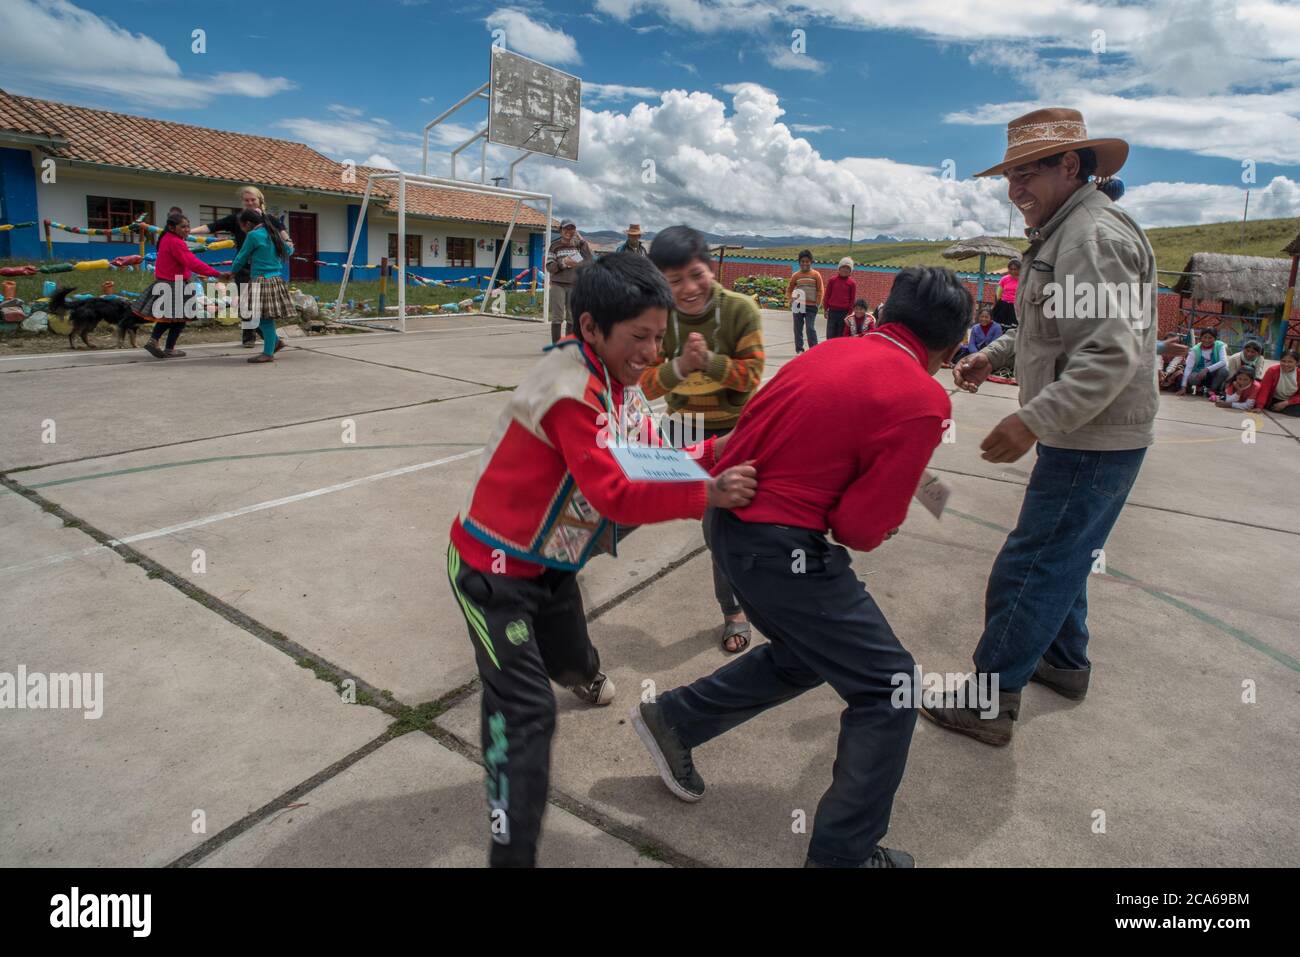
x: 89, y: 313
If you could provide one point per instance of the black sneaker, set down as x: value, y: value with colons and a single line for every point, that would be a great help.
x: 881, y: 857
x: 671, y: 758
x: 600, y: 690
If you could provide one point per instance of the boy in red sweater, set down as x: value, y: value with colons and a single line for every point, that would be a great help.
x: 549, y: 494
x: 797, y: 587
x: 841, y: 293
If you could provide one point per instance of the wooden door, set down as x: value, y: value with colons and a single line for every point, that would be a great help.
x: 302, y: 231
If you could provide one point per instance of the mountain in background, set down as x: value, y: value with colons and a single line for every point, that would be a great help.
x: 611, y: 238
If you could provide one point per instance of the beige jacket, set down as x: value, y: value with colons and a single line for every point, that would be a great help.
x: 1084, y: 351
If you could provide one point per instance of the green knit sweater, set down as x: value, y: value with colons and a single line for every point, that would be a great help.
x: 733, y: 329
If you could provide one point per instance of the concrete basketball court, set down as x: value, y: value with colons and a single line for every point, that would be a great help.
x: 203, y: 534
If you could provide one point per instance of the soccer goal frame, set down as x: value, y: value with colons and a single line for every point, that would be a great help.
x: 460, y: 186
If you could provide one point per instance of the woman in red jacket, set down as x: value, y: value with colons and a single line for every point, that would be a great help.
x: 1278, y: 390
x: 163, y: 303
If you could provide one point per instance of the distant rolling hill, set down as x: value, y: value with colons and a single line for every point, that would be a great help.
x: 1173, y: 246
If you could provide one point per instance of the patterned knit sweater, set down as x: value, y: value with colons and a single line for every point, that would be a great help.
x: 733, y: 329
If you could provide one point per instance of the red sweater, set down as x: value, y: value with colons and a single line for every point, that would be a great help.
x: 176, y: 261
x: 1264, y: 400
x: 841, y: 293
x: 856, y: 481
x: 572, y: 430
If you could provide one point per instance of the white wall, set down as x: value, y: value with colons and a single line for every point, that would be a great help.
x: 64, y: 201
x: 434, y: 233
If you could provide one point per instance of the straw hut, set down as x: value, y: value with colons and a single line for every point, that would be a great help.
x: 983, y: 247
x: 1246, y: 288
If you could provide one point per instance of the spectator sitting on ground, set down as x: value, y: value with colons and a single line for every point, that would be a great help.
x: 1242, y: 392
x: 1171, y: 370
x: 981, y: 334
x: 1251, y: 357
x: 1207, y: 358
x: 1278, y: 390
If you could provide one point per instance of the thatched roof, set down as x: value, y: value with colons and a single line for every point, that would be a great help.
x: 1239, y: 279
x: 1294, y: 248
x: 981, y: 245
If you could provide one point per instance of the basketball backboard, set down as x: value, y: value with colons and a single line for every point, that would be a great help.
x: 533, y: 107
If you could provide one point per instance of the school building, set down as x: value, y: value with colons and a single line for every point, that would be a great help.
x: 86, y: 167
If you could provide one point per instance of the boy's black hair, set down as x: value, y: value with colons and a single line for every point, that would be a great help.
x: 933, y: 303
x: 805, y: 254
x: 1244, y: 371
x: 863, y: 304
x: 619, y: 287
x: 1292, y: 353
x: 677, y: 247
x: 1252, y: 344
x: 1208, y: 332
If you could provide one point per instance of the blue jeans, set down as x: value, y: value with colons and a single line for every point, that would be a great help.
x: 1036, y: 605
x: 805, y: 320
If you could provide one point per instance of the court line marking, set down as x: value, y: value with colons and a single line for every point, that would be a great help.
x: 236, y: 513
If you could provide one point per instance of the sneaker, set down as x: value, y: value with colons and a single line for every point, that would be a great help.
x: 971, y: 722
x: 151, y: 347
x: 173, y: 354
x: 1071, y: 683
x: 260, y: 357
x: 671, y: 758
x: 600, y: 691
x: 881, y: 857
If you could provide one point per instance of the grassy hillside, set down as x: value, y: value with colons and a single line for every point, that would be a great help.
x: 1174, y: 245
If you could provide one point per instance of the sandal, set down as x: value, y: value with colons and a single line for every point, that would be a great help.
x: 735, y: 629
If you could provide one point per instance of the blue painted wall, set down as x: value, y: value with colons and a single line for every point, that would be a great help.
x: 18, y: 192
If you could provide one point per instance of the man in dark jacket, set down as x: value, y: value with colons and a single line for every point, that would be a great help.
x: 567, y: 254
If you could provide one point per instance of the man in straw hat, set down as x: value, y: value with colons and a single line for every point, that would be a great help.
x: 1085, y: 359
x: 633, y: 242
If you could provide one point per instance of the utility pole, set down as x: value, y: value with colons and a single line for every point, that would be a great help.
x: 1243, y: 218
x: 1010, y: 213
x: 852, y: 210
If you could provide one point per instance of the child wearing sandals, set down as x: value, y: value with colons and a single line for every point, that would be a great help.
x: 264, y: 254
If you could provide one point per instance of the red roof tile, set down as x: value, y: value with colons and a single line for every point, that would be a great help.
x: 124, y: 141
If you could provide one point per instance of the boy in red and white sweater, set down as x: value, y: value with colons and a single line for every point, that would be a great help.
x: 549, y: 494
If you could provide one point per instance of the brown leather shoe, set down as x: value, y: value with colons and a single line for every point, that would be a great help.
x: 151, y: 347
x: 1071, y: 683
x: 279, y: 344
x: 173, y: 354
x: 260, y: 357
x: 995, y: 729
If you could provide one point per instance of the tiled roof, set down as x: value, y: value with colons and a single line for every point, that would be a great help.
x: 124, y: 141
x: 14, y: 115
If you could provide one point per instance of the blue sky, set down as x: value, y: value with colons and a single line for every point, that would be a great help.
x: 763, y: 137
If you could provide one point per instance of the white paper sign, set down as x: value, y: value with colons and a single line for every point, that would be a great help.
x: 657, y: 464
x: 932, y: 493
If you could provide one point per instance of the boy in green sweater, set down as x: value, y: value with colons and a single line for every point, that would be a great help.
x: 710, y: 364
